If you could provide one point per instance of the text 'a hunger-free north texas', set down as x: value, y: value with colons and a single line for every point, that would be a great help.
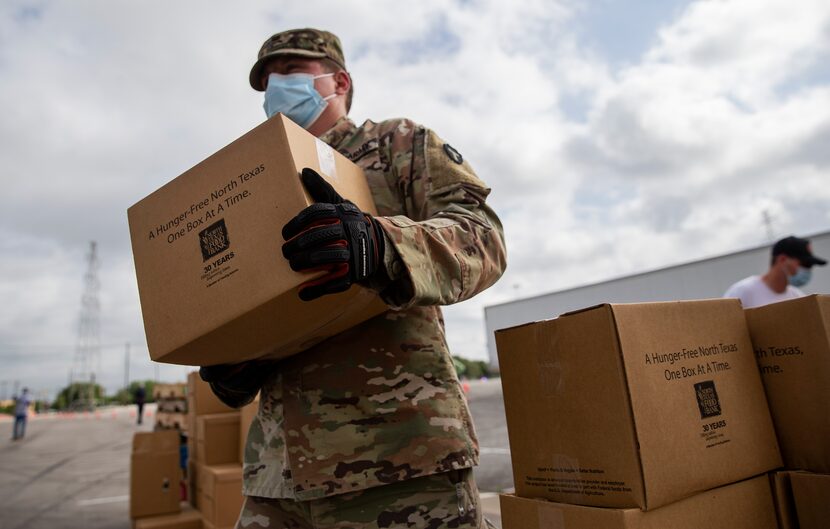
x: 195, y: 216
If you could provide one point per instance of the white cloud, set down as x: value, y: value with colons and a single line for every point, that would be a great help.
x: 593, y: 162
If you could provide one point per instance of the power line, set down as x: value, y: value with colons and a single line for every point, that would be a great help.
x: 767, y: 219
x: 127, y: 365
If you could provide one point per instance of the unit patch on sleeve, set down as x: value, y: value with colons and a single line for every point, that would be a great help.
x: 453, y: 154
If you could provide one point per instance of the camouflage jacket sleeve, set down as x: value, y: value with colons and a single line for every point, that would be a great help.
x: 449, y: 245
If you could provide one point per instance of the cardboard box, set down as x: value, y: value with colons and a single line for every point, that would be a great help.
x: 178, y: 405
x: 193, y: 482
x: 155, y: 474
x: 220, y: 494
x: 782, y: 494
x: 177, y: 421
x: 792, y: 346
x: 191, y: 440
x: 213, y: 284
x: 811, y: 493
x: 217, y: 438
x: 744, y: 505
x: 186, y: 519
x: 208, y: 525
x: 169, y: 391
x: 246, y: 417
x: 634, y: 405
x: 200, y: 398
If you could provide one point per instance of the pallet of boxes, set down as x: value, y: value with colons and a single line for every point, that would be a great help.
x: 214, y: 289
x: 639, y: 416
x: 207, y: 492
x: 215, y: 466
x: 171, y: 407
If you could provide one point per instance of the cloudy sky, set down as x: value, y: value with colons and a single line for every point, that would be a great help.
x: 616, y: 136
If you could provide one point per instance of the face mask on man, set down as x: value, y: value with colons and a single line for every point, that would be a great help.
x: 295, y: 96
x: 801, y: 277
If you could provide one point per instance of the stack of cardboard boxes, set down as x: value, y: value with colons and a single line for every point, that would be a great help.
x: 171, y: 407
x: 792, y: 346
x: 155, y: 483
x: 638, y: 416
x: 215, y: 465
x: 213, y: 481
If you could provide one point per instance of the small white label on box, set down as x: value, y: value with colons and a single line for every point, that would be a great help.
x: 325, y: 155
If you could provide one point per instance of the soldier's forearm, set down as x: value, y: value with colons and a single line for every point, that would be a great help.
x: 445, y: 259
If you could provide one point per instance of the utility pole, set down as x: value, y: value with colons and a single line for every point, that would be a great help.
x: 88, y: 350
x: 127, y: 365
x: 768, y: 225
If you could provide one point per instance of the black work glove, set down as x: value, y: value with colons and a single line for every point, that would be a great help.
x: 236, y: 384
x: 223, y: 372
x: 331, y: 235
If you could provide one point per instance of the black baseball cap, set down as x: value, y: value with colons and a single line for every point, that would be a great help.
x: 797, y: 248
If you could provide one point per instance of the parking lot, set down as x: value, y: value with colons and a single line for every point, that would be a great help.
x: 72, y: 470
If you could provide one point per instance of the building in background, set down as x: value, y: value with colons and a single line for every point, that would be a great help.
x: 707, y: 278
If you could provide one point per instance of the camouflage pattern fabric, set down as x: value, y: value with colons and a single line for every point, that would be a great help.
x: 306, y: 42
x: 432, y: 502
x: 381, y: 403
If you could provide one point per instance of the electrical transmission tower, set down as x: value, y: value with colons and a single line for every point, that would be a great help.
x: 88, y: 349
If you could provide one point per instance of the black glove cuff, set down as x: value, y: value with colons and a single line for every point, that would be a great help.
x: 379, y: 240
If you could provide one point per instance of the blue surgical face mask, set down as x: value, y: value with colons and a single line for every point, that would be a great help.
x: 295, y: 96
x: 801, y: 277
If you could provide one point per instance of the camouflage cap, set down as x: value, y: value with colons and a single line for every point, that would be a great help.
x: 307, y: 42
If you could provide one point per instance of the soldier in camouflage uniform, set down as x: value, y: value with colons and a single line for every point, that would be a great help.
x: 369, y: 428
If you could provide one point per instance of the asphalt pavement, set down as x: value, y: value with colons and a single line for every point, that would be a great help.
x: 72, y: 470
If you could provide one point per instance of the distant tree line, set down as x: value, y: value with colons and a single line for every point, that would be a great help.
x: 472, y: 369
x: 79, y: 396
x: 76, y: 396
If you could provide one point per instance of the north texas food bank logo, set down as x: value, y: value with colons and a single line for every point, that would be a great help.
x: 214, y: 239
x: 707, y: 399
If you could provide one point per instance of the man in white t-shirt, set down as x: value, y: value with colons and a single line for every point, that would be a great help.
x: 791, y: 267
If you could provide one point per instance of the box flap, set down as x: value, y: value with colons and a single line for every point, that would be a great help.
x: 592, y: 307
x: 160, y: 441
